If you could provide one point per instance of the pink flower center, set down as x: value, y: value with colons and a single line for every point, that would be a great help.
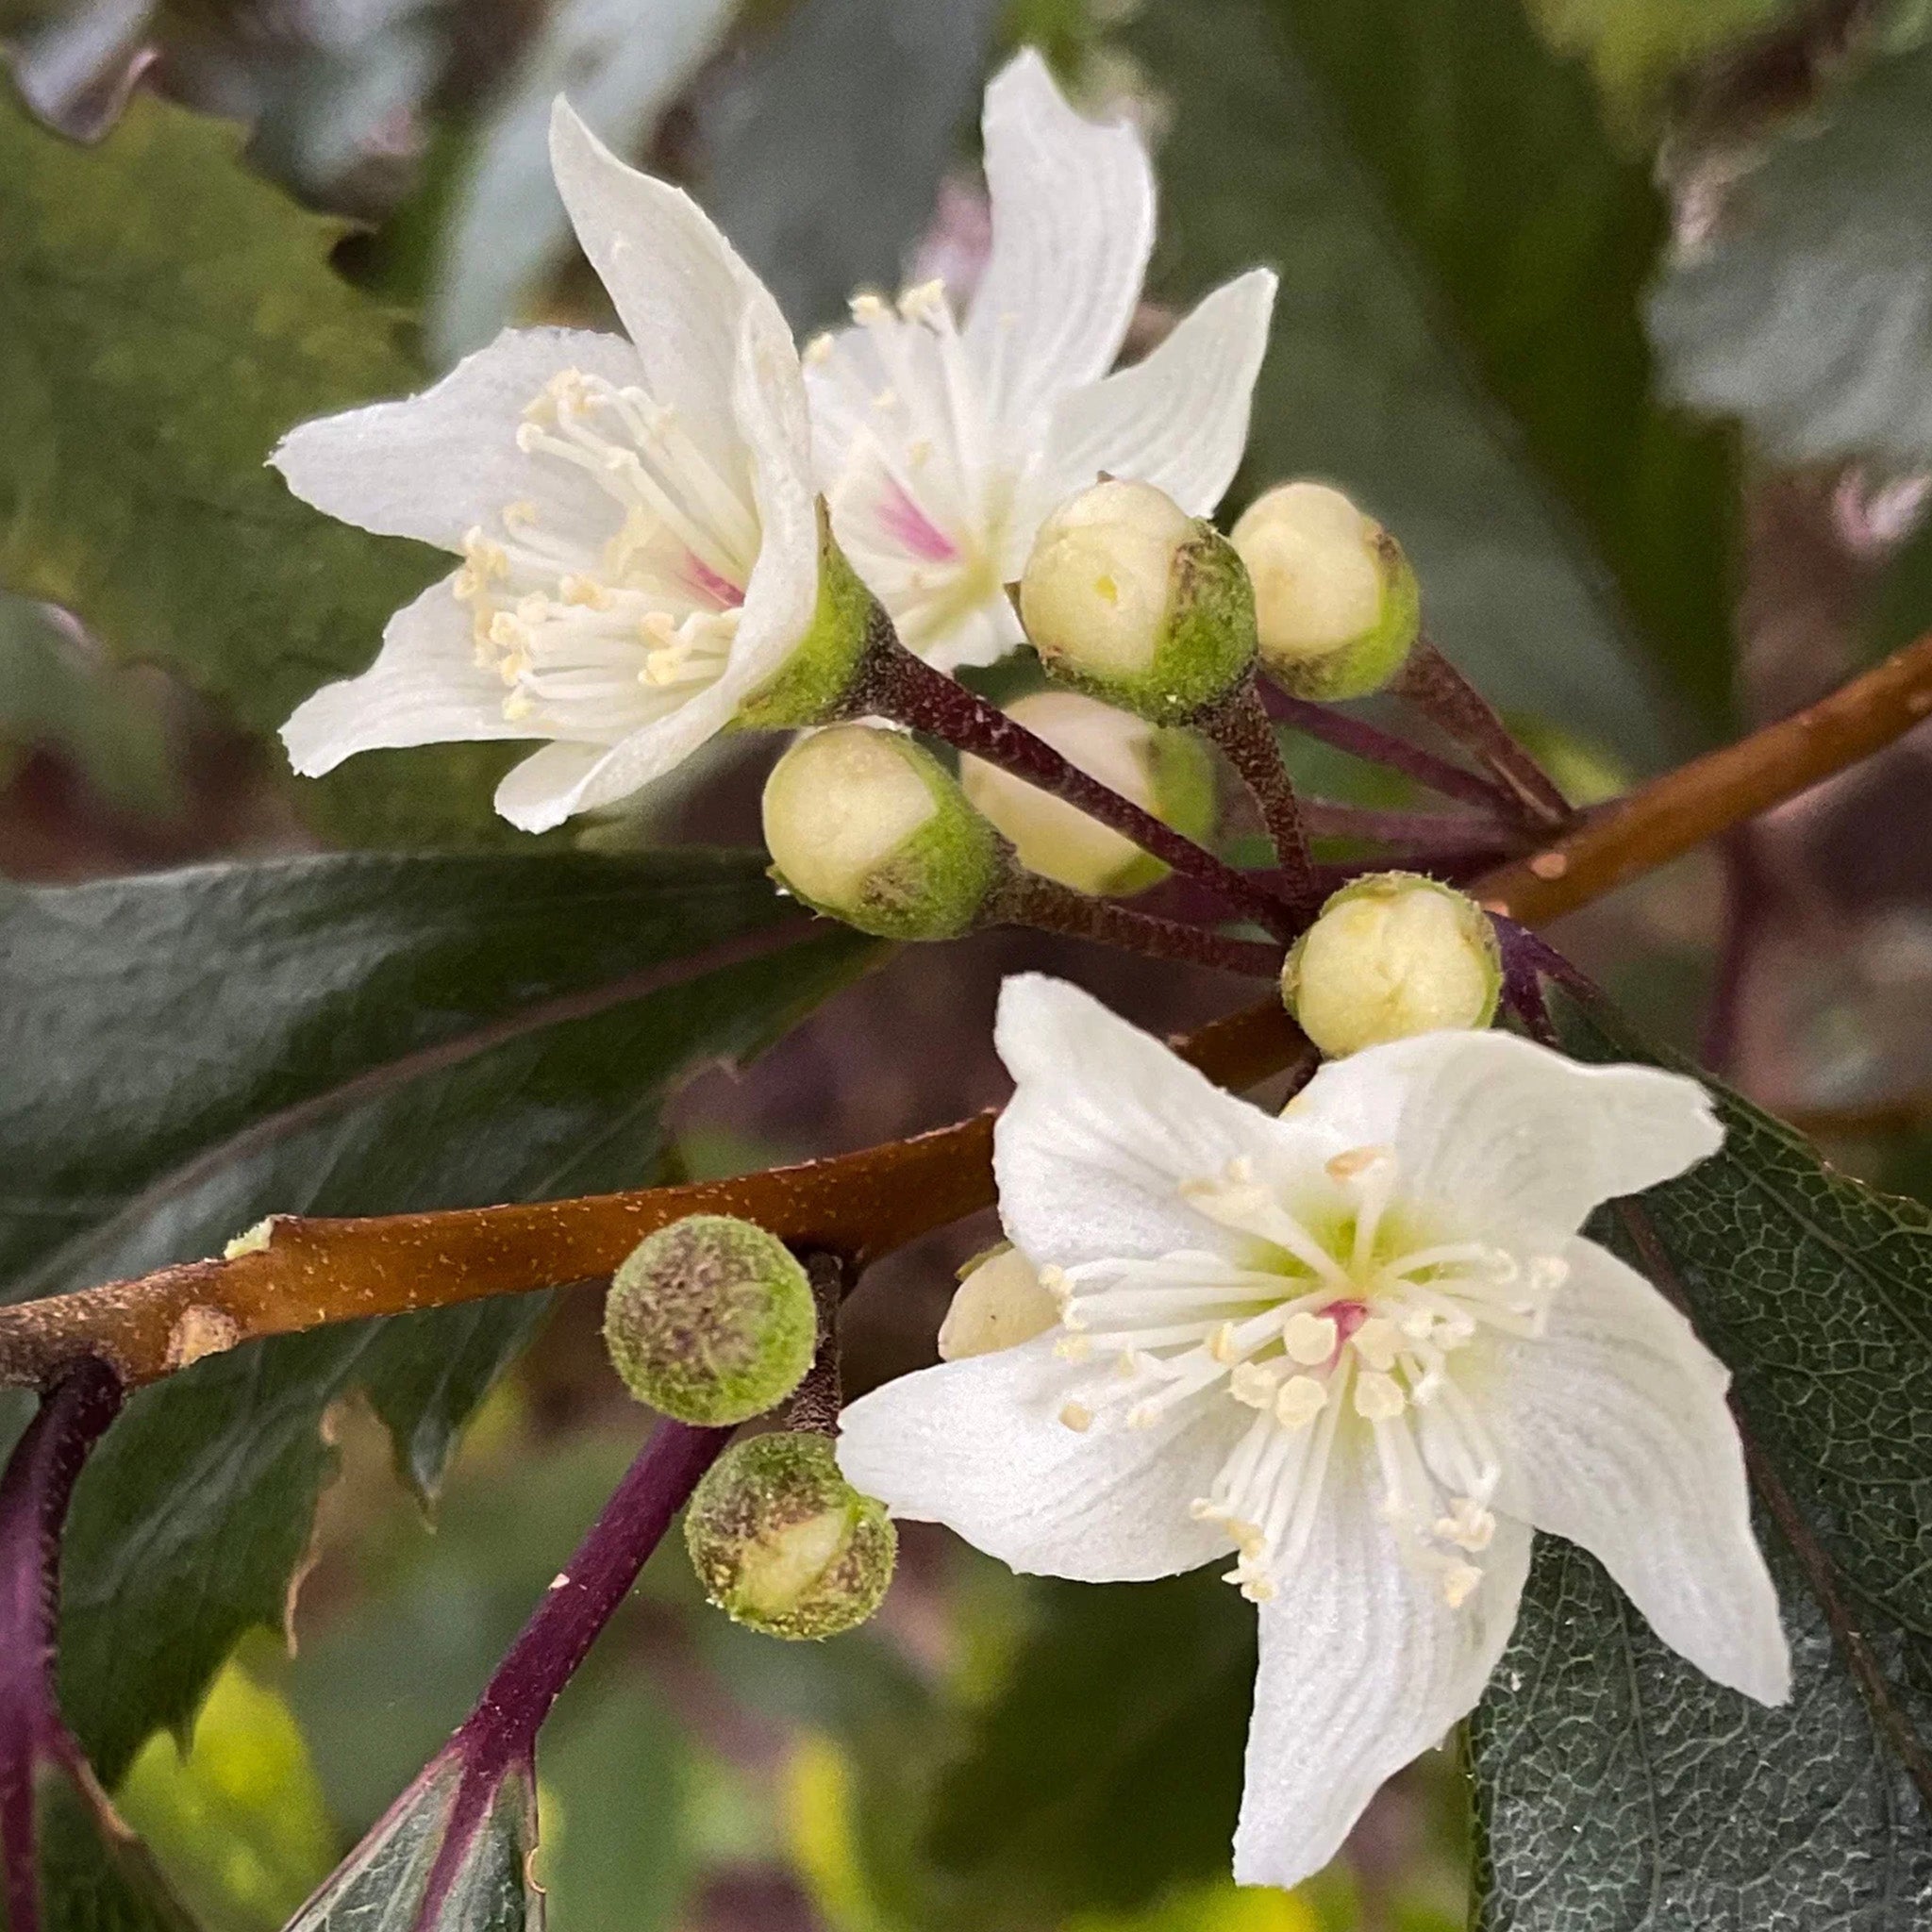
x: 910, y: 527
x: 720, y: 590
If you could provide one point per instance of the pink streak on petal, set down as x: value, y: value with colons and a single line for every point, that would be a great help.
x: 720, y: 590
x: 913, y: 528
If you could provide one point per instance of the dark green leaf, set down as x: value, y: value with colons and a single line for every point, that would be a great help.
x: 1808, y: 311
x: 1457, y: 338
x: 383, y: 1885
x: 94, y: 1878
x: 1110, y: 1766
x: 390, y: 1029
x: 1616, y: 1787
x: 164, y: 316
x: 821, y: 154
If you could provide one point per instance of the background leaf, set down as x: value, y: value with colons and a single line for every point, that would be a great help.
x: 193, y: 1517
x: 165, y: 316
x: 1806, y: 311
x: 820, y: 152
x: 1457, y: 338
x: 1616, y: 1786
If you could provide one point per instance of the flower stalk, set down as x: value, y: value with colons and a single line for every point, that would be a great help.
x: 1443, y: 695
x: 1029, y: 899
x: 895, y: 684
x: 1239, y: 725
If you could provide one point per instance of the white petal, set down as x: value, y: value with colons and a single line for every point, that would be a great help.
x: 1073, y: 221
x: 1104, y: 1125
x: 769, y: 408
x: 978, y: 1445
x: 1364, y: 1667
x: 431, y: 466
x: 1619, y: 1438
x: 1515, y: 1138
x: 678, y: 285
x: 424, y: 688
x: 1178, y: 419
x: 566, y: 777
x: 982, y: 635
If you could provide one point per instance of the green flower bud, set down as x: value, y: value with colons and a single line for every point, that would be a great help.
x: 783, y: 1543
x: 1128, y: 598
x: 811, y: 684
x: 1337, y: 606
x: 999, y: 1304
x: 1167, y: 772
x: 710, y: 1320
x: 1390, y: 955
x: 865, y: 823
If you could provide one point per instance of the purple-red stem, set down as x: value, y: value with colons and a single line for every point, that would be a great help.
x: 1374, y: 746
x: 1240, y: 725
x: 34, y: 1495
x: 500, y: 1735
x: 1450, y: 702
x: 897, y: 684
x: 1029, y: 899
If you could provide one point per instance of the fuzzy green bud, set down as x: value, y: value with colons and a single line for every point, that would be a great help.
x: 1337, y: 606
x: 1392, y: 954
x: 710, y: 1320
x: 781, y: 1541
x: 1167, y: 772
x: 865, y: 823
x: 811, y: 684
x: 1128, y: 598
x: 998, y: 1304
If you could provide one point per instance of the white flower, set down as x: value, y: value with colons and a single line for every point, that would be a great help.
x: 944, y: 444
x: 635, y: 518
x: 1363, y: 1347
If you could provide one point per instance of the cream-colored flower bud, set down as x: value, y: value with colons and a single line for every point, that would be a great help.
x: 865, y: 825
x: 1336, y: 607
x: 998, y: 1304
x: 783, y: 1543
x: 1392, y: 954
x: 1128, y: 597
x: 1168, y: 772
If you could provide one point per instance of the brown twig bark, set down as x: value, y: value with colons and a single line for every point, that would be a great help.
x: 1681, y: 810
x: 864, y: 1205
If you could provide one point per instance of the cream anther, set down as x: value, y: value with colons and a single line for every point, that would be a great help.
x: 1301, y: 1400
x: 1460, y: 1583
x: 1254, y: 1383
x: 1356, y: 1162
x: 1077, y: 1416
x: 1378, y: 1343
x: 1310, y: 1339
x: 1469, y: 1526
x: 1378, y: 1398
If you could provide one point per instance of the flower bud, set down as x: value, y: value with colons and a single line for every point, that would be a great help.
x: 710, y: 1320
x: 1128, y: 597
x: 783, y: 1543
x: 1390, y: 955
x: 999, y: 1304
x: 1167, y: 772
x: 863, y: 824
x: 1336, y: 607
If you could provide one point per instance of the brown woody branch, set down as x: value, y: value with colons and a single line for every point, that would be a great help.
x: 862, y: 1206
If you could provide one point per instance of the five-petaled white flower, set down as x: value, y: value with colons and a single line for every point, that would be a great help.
x: 1363, y: 1347
x: 942, y: 444
x: 635, y: 518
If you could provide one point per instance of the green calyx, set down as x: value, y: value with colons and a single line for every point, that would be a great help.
x: 866, y: 826
x: 1204, y: 649
x: 1367, y: 663
x: 710, y: 1320
x: 810, y: 687
x: 784, y: 1544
